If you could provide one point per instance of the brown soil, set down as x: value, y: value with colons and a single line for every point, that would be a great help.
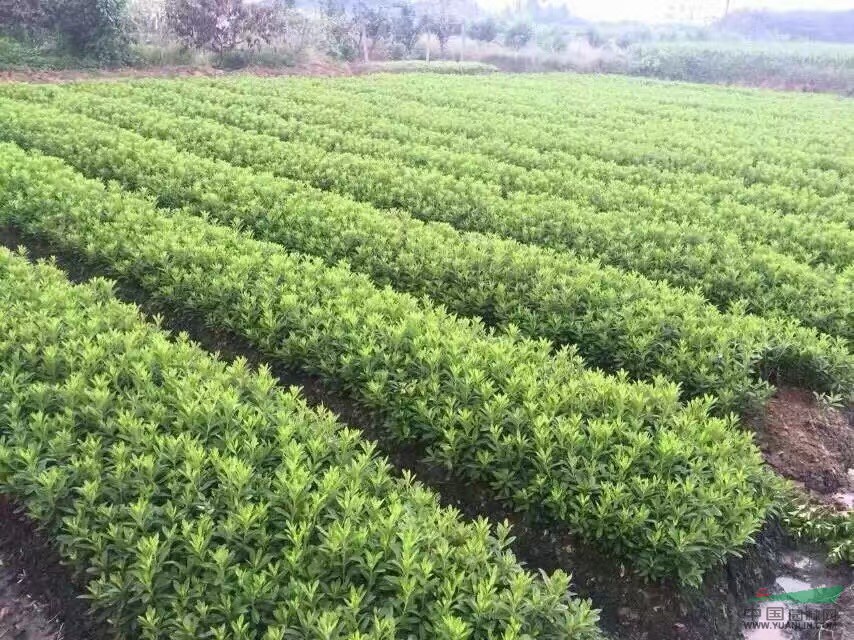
x: 37, y: 599
x: 21, y: 617
x: 805, y: 442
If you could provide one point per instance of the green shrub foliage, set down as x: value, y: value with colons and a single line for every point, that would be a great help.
x: 556, y: 287
x: 197, y: 500
x: 768, y: 263
x: 616, y: 319
x: 627, y: 466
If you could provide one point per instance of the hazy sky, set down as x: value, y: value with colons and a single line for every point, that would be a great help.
x: 656, y: 10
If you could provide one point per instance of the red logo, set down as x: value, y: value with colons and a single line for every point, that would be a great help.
x: 763, y: 593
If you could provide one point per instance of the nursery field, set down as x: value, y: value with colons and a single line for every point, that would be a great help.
x: 565, y: 292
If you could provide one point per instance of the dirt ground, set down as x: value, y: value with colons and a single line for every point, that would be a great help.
x: 37, y: 599
x: 22, y: 617
x: 806, y: 442
x: 845, y: 605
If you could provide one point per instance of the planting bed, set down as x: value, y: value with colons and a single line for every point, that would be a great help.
x: 615, y: 314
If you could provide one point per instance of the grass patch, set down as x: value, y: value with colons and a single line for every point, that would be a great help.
x: 436, y: 66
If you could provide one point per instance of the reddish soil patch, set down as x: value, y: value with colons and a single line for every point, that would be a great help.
x: 806, y: 442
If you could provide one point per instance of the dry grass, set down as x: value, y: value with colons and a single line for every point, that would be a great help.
x: 579, y: 55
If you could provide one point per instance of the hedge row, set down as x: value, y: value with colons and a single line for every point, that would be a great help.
x: 196, y: 500
x: 769, y: 282
x: 617, y: 320
x: 748, y: 136
x: 655, y: 198
x: 626, y: 466
x: 808, y: 176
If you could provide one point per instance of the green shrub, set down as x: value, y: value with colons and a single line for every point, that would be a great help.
x: 232, y: 60
x: 165, y: 56
x: 820, y: 524
x: 716, y: 249
x: 197, y: 500
x: 617, y: 320
x: 626, y: 466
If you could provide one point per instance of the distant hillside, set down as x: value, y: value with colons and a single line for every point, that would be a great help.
x: 828, y: 26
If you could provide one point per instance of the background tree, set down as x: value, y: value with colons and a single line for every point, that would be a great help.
x: 340, y: 31
x: 214, y: 25
x: 404, y: 27
x: 265, y: 23
x: 148, y: 21
x: 485, y: 30
x: 441, y: 23
x: 22, y: 17
x: 553, y: 39
x: 374, y: 25
x: 96, y: 28
x: 518, y: 35
x: 594, y: 38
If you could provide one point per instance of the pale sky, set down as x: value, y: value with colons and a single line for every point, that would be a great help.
x: 658, y: 10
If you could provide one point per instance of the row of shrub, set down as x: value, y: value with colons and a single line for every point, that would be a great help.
x: 807, y: 239
x: 625, y: 465
x: 747, y: 165
x: 758, y: 137
x: 716, y: 262
x: 194, y: 499
x: 617, y: 320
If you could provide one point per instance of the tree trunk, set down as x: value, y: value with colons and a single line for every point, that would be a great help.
x: 364, y: 38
